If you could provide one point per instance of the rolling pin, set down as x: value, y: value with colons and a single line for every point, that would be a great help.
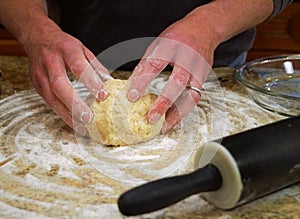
x: 245, y: 167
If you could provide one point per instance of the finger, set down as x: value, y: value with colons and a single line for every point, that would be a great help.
x: 172, y: 90
x: 54, y: 103
x: 59, y: 108
x: 156, y: 58
x: 200, y: 71
x: 40, y: 81
x: 62, y: 88
x: 33, y: 79
x: 181, y: 108
x: 65, y: 114
x: 144, y: 73
x: 81, y: 68
x: 100, y: 70
x: 189, y: 59
x: 194, y: 82
x: 189, y: 98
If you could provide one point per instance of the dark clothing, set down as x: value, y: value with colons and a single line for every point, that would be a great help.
x: 100, y: 24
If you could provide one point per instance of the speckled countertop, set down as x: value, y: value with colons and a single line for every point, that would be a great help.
x: 44, y: 176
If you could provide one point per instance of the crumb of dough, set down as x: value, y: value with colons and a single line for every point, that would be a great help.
x: 119, y: 122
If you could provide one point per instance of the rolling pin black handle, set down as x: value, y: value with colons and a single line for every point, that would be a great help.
x: 164, y: 192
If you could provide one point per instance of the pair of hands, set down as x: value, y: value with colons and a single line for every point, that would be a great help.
x: 54, y: 52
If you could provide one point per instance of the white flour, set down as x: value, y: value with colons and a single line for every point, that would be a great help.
x: 48, y: 172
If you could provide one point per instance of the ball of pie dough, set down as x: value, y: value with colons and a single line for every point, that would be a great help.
x: 118, y: 122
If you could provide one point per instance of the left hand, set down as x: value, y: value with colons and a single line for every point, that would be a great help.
x: 188, y: 46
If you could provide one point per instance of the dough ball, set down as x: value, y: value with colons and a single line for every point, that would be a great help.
x: 118, y: 121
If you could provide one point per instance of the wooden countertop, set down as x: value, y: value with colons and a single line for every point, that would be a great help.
x: 44, y: 176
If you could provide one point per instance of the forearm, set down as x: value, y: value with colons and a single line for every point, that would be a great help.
x: 23, y: 18
x: 227, y: 18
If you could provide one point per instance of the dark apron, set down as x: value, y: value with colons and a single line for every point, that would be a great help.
x: 100, y: 24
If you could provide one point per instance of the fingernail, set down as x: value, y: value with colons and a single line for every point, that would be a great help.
x: 81, y: 130
x: 153, y: 118
x: 102, y: 94
x: 133, y: 95
x: 86, y: 117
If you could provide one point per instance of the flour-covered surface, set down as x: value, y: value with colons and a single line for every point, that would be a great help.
x: 47, y: 171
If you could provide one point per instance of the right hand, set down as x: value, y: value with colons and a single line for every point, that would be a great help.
x: 51, y: 53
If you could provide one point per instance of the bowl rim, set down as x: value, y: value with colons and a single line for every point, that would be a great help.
x: 238, y: 74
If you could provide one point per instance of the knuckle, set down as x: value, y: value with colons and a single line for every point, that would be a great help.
x: 68, y: 43
x: 164, y: 103
x: 57, y: 85
x: 77, y: 66
x: 180, y: 79
x: 49, y: 59
x: 62, y: 44
x: 157, y: 64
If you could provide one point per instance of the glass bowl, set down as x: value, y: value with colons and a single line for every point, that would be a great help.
x: 273, y: 83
